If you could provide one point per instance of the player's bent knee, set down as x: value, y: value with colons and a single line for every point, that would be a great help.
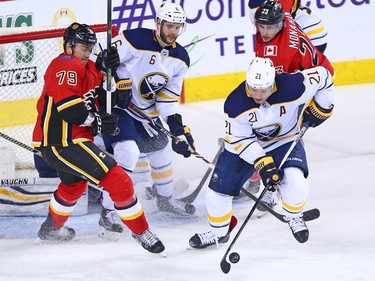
x: 294, y: 183
x: 119, y: 186
x: 126, y: 154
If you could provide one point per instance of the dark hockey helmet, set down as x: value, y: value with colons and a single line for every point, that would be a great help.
x: 79, y: 33
x: 269, y: 12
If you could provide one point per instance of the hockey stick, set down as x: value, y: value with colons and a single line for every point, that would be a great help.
x: 29, y: 148
x: 163, y: 130
x: 192, y: 196
x: 38, y: 153
x: 308, y: 215
x: 109, y: 70
x: 235, y: 257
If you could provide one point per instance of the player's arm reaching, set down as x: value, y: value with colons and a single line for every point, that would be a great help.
x: 167, y: 103
x: 319, y: 81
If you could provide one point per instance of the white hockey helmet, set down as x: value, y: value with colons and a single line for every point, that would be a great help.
x: 261, y: 73
x: 171, y: 12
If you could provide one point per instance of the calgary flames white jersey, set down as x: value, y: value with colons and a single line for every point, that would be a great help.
x: 253, y: 129
x: 157, y: 73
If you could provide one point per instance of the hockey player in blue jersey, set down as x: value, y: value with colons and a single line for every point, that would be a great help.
x: 152, y: 69
x: 262, y: 120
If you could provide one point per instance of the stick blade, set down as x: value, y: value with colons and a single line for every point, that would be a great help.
x: 311, y: 214
x: 224, y: 265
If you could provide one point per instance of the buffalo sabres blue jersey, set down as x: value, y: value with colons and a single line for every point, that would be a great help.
x: 157, y: 73
x: 253, y: 129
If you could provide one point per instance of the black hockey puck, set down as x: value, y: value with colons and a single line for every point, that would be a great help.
x: 234, y: 257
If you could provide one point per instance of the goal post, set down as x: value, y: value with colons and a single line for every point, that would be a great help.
x: 25, y: 54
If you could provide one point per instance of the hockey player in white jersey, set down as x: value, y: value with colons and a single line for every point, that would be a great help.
x: 262, y: 120
x: 155, y: 64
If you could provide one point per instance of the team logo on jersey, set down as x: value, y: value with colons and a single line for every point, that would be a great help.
x: 215, y: 177
x: 116, y: 132
x: 267, y: 133
x: 151, y: 84
x: 270, y: 50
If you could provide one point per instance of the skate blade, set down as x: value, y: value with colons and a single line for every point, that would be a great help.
x: 208, y: 248
x: 108, y: 235
x: 39, y: 241
x: 163, y: 254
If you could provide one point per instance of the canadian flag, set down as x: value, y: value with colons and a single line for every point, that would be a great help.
x: 270, y: 50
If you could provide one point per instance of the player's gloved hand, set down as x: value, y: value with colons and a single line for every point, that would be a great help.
x: 108, y: 59
x: 314, y: 115
x: 123, y: 91
x: 267, y: 170
x: 89, y: 100
x: 103, y: 123
x: 184, y: 144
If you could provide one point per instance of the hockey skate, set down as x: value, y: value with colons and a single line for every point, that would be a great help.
x: 48, y: 231
x: 176, y: 206
x: 110, y: 229
x: 206, y: 239
x: 149, y: 241
x: 271, y: 199
x: 252, y: 185
x: 299, y: 229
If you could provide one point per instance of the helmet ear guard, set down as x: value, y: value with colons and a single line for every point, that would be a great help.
x: 260, y: 74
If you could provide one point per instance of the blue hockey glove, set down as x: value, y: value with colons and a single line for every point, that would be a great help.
x: 267, y: 170
x: 184, y: 144
x: 314, y: 115
x: 123, y: 91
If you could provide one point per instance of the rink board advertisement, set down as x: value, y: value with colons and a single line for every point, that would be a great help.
x: 219, y: 35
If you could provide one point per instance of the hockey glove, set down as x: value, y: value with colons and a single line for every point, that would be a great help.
x: 184, y: 144
x: 124, y: 92
x: 108, y: 59
x: 267, y: 170
x: 103, y: 123
x: 89, y: 100
x: 314, y: 115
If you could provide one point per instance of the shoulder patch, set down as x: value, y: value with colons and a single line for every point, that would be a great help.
x: 66, y: 57
x: 289, y: 88
x: 180, y: 52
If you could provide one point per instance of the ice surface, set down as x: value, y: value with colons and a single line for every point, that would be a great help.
x: 341, y: 156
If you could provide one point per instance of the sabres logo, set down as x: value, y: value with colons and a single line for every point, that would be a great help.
x: 268, y: 133
x: 151, y: 84
x: 215, y: 177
